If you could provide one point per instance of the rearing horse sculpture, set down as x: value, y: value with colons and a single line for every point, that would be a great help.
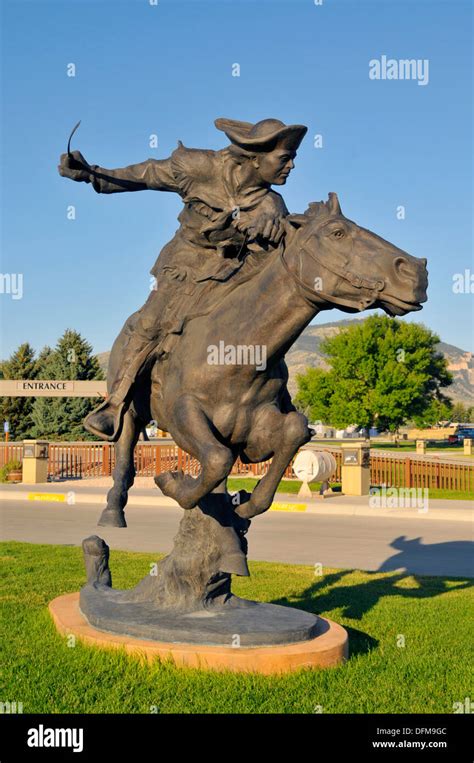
x: 219, y: 412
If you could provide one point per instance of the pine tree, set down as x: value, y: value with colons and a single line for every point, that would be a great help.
x: 61, y: 417
x: 41, y: 360
x: 18, y: 410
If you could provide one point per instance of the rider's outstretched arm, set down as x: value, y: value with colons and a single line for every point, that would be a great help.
x: 152, y: 174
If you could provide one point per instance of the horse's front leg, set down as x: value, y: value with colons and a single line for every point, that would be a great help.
x: 124, y: 473
x: 280, y: 434
x: 192, y: 431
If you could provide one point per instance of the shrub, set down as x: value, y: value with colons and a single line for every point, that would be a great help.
x: 10, y: 466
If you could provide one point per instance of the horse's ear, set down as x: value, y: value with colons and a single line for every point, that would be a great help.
x: 333, y: 204
x: 297, y: 220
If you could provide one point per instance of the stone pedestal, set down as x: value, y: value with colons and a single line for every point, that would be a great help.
x: 468, y: 447
x: 421, y: 447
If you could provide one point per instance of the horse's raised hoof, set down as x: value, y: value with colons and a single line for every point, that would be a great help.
x: 245, y: 511
x: 166, y: 483
x: 186, y: 503
x: 177, y: 485
x: 111, y: 518
x: 249, y: 509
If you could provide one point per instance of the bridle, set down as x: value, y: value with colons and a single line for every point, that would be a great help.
x: 315, y: 298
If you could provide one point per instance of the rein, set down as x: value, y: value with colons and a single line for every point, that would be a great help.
x: 312, y: 298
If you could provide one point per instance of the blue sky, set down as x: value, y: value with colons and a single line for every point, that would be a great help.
x: 167, y: 69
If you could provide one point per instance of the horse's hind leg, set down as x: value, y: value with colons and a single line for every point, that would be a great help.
x: 192, y: 431
x: 124, y: 472
x: 281, y: 434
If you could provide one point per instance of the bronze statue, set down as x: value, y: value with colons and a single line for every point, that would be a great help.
x: 230, y: 209
x: 204, y: 357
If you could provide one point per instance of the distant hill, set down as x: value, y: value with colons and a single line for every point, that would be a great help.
x: 461, y: 365
x: 103, y: 358
x: 306, y: 352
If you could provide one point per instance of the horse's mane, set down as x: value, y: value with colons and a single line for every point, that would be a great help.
x: 318, y: 209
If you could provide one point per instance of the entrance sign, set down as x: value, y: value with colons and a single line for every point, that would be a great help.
x: 52, y: 388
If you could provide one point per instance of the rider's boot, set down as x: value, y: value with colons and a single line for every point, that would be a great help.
x: 105, y: 421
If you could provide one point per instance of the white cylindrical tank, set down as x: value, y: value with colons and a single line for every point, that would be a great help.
x: 310, y: 465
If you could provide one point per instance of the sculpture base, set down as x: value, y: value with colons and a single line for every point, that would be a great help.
x: 237, y: 621
x: 327, y: 647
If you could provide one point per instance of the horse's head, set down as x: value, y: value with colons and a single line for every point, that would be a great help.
x: 351, y: 267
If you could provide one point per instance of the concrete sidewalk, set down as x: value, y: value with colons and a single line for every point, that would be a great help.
x: 145, y: 493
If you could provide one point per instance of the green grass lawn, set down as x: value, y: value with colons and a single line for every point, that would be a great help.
x: 292, y: 486
x: 285, y: 486
x: 441, y: 447
x: 381, y: 612
x: 403, y: 446
x: 451, y: 495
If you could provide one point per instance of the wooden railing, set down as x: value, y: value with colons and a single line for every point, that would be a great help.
x: 13, y: 451
x: 97, y: 459
x: 421, y: 473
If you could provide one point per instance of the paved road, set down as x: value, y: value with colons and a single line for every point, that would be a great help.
x: 370, y: 543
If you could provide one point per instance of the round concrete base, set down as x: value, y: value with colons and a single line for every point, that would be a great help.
x: 327, y: 649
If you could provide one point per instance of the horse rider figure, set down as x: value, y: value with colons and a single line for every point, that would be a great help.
x: 230, y: 211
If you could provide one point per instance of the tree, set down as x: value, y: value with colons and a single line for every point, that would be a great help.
x: 314, y: 394
x: 61, y: 417
x: 41, y: 361
x: 436, y: 411
x: 383, y: 371
x: 461, y: 413
x: 17, y: 410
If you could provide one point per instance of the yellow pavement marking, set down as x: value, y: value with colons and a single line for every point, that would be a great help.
x: 278, y: 506
x: 46, y: 497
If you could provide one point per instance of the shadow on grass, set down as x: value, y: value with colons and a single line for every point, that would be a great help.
x: 332, y: 592
x: 360, y: 642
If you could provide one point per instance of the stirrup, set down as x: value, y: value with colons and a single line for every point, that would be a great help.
x: 115, y: 421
